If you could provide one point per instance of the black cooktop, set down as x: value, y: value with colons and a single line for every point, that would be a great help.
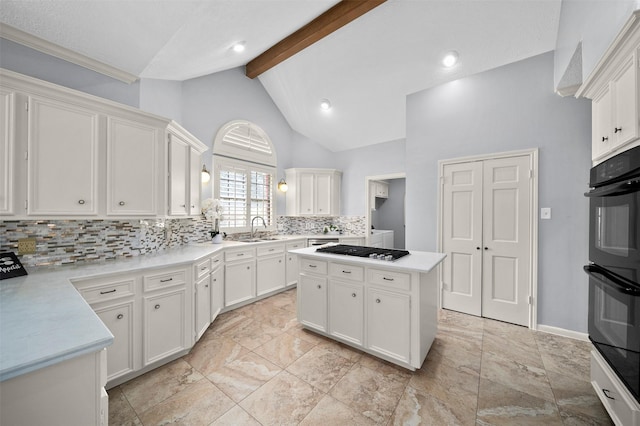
x: 362, y: 251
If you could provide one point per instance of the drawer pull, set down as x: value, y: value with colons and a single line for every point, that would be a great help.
x: 387, y: 279
x: 606, y: 393
x: 377, y: 300
x: 121, y: 203
x: 167, y: 280
x: 120, y: 316
x: 313, y: 266
x: 216, y: 261
x: 204, y: 268
x: 80, y: 201
x: 215, y: 280
x: 346, y: 272
x: 353, y: 295
x: 240, y: 254
x: 206, y: 286
x: 108, y: 291
x: 271, y: 249
x: 157, y: 306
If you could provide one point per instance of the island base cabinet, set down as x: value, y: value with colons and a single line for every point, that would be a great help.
x: 346, y: 311
x: 388, y: 324
x: 164, y: 325
x: 68, y: 393
x: 312, y: 302
x: 120, y: 322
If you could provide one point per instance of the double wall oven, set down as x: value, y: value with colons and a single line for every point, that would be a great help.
x: 614, y: 265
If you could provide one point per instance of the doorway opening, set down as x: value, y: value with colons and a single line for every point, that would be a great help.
x: 385, y: 210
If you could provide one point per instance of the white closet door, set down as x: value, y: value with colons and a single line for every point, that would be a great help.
x: 507, y: 243
x: 486, y: 222
x: 462, y: 237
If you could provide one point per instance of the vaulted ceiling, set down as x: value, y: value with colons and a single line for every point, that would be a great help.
x: 365, y: 69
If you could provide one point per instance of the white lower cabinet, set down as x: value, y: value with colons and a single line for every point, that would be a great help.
x: 119, y: 319
x: 203, y: 305
x: 164, y: 325
x: 346, y: 311
x: 217, y: 291
x: 388, y: 323
x: 617, y: 400
x: 270, y: 268
x: 239, y: 276
x: 312, y: 301
x: 292, y: 270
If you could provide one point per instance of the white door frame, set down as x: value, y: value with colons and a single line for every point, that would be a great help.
x: 533, y: 229
x: 367, y: 200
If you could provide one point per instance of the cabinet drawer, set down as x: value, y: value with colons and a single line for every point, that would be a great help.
x: 315, y: 266
x: 296, y: 245
x: 239, y: 254
x: 615, y: 398
x: 202, y: 268
x: 166, y: 278
x: 107, y: 291
x: 349, y: 272
x: 270, y: 249
x: 397, y: 280
x: 216, y: 261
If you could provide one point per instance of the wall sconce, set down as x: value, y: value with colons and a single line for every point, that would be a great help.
x: 205, y: 175
x: 282, y: 185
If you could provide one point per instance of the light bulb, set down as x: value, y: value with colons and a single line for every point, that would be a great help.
x: 325, y: 104
x: 450, y: 59
x: 239, y: 47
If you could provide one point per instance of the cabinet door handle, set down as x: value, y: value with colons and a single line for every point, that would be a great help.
x: 387, y: 279
x: 120, y: 316
x: 239, y: 254
x: 353, y: 295
x: 157, y: 306
x: 313, y: 266
x: 606, y: 393
x: 216, y: 261
x: 248, y: 267
x: 377, y: 300
x: 215, y: 280
x: 319, y: 286
x: 183, y: 205
x: 604, y: 139
x: 167, y: 280
x: 346, y: 272
x: 280, y: 261
x: 80, y: 201
x: 121, y: 203
x: 617, y: 129
x: 289, y: 258
x: 204, y: 268
x: 206, y: 286
x: 109, y: 291
x: 477, y: 248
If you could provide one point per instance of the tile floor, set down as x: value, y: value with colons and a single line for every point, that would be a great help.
x: 257, y: 366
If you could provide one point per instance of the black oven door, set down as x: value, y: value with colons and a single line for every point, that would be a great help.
x: 614, y: 323
x: 614, y: 218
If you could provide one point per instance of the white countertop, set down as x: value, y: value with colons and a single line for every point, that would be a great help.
x: 417, y: 261
x: 44, y: 320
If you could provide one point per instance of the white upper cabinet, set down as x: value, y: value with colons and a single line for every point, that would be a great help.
x: 62, y: 158
x: 132, y: 167
x: 7, y: 135
x: 185, y: 158
x: 613, y: 88
x: 91, y: 157
x: 313, y: 192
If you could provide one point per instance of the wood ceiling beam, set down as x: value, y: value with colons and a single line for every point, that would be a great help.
x: 331, y: 20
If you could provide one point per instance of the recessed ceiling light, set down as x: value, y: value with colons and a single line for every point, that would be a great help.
x: 450, y: 59
x: 325, y: 105
x: 239, y: 47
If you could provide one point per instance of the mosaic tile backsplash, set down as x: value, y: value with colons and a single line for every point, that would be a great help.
x: 61, y: 242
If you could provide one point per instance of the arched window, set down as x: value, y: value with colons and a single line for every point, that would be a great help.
x: 244, y: 165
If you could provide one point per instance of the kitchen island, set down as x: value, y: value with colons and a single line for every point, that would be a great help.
x: 385, y: 308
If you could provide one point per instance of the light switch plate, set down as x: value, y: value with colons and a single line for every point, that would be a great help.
x: 545, y: 213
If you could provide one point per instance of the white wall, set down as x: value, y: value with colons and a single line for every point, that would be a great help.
x: 596, y: 23
x: 509, y: 108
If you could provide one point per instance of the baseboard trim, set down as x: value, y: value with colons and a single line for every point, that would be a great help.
x: 563, y: 332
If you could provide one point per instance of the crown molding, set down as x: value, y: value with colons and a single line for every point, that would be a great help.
x: 18, y: 36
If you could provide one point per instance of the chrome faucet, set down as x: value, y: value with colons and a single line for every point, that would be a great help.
x: 263, y: 223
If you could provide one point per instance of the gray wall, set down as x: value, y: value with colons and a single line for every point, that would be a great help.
x: 27, y: 61
x: 390, y: 213
x: 357, y: 164
x: 161, y: 97
x: 596, y: 23
x: 509, y: 108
